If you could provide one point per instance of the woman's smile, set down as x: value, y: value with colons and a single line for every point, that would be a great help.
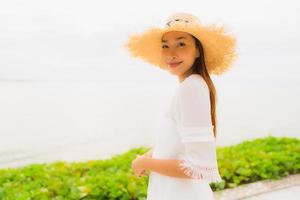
x: 174, y: 64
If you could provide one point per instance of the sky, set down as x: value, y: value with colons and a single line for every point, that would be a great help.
x: 74, y: 41
x: 83, y: 40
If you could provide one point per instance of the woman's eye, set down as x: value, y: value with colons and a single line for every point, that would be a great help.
x: 181, y: 44
x: 164, y: 46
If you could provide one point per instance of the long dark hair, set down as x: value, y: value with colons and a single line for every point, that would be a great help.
x: 199, y: 67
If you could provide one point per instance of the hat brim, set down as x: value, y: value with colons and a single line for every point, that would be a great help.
x: 218, y: 46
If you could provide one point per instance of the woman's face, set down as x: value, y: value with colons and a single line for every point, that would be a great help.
x: 179, y: 52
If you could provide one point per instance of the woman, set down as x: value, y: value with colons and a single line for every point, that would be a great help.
x: 183, y: 161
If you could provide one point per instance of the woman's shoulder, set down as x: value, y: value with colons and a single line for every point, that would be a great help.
x: 193, y: 81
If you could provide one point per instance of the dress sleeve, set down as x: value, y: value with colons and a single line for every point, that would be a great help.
x: 199, y: 159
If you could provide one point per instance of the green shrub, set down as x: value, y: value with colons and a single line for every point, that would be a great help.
x: 258, y: 159
x: 249, y: 161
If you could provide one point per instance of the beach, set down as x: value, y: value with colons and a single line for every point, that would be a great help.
x: 45, y: 121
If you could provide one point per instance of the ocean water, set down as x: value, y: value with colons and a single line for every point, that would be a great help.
x: 44, y: 121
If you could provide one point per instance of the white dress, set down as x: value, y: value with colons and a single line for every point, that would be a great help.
x: 185, y: 132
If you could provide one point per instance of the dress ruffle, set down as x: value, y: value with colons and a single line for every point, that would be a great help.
x: 209, y: 173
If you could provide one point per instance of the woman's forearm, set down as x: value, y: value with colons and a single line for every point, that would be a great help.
x: 167, y: 167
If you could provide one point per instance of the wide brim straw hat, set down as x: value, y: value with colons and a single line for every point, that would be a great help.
x: 218, y: 46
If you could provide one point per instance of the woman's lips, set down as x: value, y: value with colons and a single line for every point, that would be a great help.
x: 174, y: 64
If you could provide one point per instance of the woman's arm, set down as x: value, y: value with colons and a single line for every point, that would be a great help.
x: 168, y: 167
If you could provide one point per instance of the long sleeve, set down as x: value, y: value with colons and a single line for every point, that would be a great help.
x: 198, y: 160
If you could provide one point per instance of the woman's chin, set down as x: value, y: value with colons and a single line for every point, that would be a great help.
x: 174, y: 72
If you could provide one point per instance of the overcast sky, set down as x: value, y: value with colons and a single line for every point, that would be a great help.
x: 41, y: 40
x: 83, y: 41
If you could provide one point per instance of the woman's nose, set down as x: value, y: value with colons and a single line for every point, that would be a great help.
x: 172, y: 55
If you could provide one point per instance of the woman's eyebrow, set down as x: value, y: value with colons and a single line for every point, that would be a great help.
x: 176, y: 39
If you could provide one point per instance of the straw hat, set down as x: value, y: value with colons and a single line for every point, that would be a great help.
x: 218, y: 46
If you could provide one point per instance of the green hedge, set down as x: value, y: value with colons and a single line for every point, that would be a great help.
x: 250, y: 161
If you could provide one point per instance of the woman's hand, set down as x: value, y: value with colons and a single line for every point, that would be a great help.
x: 139, y: 164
